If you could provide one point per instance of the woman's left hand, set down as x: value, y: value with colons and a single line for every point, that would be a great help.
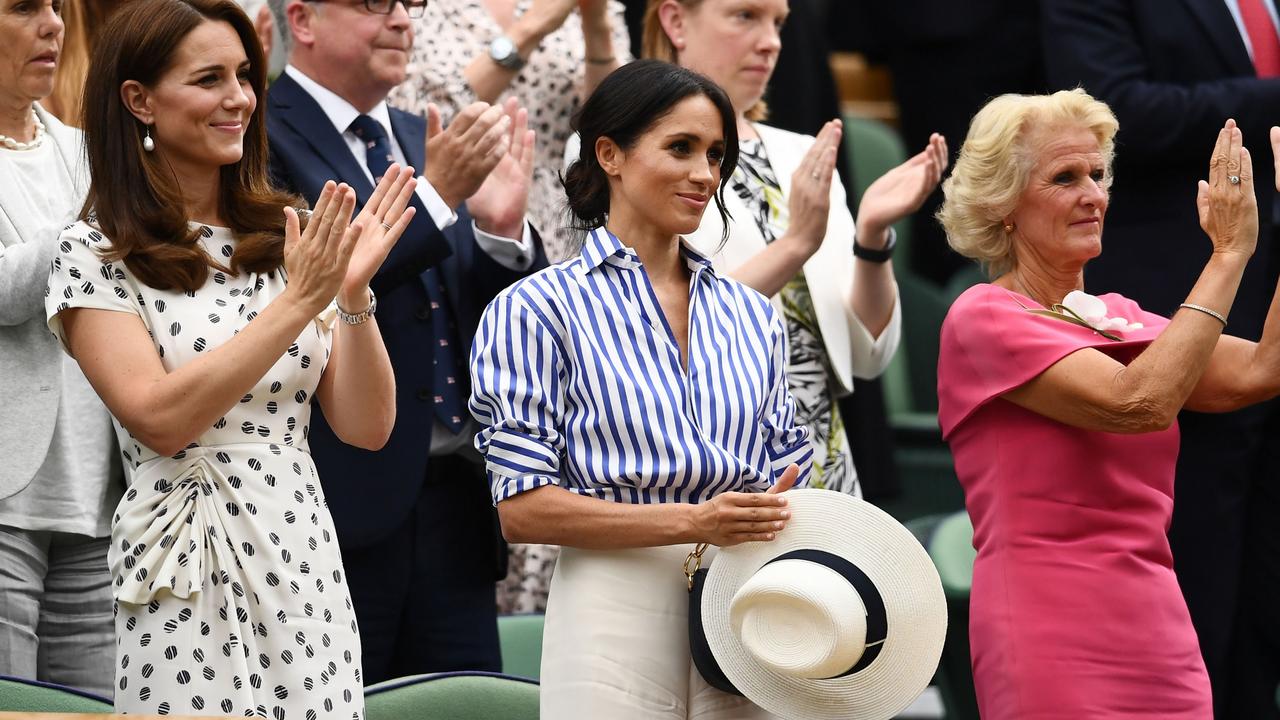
x: 901, y: 191
x: 383, y: 219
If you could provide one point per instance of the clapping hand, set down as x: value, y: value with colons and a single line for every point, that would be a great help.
x: 316, y: 258
x: 498, y: 206
x: 1226, y: 203
x: 809, y: 201
x: 460, y: 157
x: 378, y: 226
x: 900, y: 192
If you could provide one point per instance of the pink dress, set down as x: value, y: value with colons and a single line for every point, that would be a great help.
x: 1075, y: 611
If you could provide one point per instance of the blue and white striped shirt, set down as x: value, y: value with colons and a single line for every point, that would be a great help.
x: 577, y: 380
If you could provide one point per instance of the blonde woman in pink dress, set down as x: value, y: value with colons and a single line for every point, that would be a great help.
x: 1060, y: 409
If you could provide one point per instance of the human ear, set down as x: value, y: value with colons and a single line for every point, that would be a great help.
x: 137, y: 100
x: 610, y: 156
x: 671, y: 16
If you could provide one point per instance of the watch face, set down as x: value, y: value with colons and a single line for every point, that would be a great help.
x: 502, y: 49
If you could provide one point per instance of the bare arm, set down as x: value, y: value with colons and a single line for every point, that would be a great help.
x: 597, y: 36
x: 489, y: 79
x: 358, y: 387
x: 550, y: 514
x: 1090, y: 390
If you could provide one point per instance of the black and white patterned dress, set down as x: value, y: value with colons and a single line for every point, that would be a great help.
x: 230, y: 592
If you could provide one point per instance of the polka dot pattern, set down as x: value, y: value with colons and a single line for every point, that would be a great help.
x: 452, y: 34
x: 230, y: 593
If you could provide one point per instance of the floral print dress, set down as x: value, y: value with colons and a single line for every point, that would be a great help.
x: 807, y: 372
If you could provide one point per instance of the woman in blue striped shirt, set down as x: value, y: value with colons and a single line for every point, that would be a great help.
x: 635, y: 404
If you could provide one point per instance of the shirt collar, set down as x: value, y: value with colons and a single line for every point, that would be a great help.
x: 340, y: 112
x: 600, y: 245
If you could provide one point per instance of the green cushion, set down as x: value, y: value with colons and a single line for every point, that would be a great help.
x: 29, y: 696
x: 453, y: 696
x: 951, y: 547
x: 521, y: 640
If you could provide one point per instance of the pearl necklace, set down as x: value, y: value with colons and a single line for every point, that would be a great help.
x: 11, y: 144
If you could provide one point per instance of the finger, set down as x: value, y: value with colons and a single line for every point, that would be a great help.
x: 530, y: 145
x: 786, y: 481
x: 495, y: 135
x: 347, y: 245
x: 399, y: 202
x: 752, y: 537
x: 1233, y: 151
x: 318, y: 211
x: 519, y: 130
x: 341, y: 222
x: 391, y: 202
x: 383, y: 189
x: 1202, y: 203
x: 434, y: 124
x: 1246, y: 172
x: 291, y: 229
x: 1275, y: 152
x: 1218, y: 161
x: 463, y: 121
x: 398, y: 227
x: 484, y: 124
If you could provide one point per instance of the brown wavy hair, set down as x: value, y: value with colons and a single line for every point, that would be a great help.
x: 134, y: 196
x: 655, y: 44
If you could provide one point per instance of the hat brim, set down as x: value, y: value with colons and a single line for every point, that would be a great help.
x: 895, y: 562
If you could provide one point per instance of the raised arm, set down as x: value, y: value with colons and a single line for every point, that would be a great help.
x: 1241, y: 372
x: 166, y: 411
x: 1090, y: 390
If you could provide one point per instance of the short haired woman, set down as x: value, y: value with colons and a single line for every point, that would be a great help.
x: 1060, y: 409
x: 635, y: 404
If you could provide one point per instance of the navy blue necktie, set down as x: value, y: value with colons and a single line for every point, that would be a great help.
x: 448, y: 390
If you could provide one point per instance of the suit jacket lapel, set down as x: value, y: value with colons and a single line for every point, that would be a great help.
x: 295, y: 108
x: 411, y: 134
x: 1223, y: 32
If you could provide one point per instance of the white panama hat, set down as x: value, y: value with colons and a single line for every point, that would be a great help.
x: 841, y: 616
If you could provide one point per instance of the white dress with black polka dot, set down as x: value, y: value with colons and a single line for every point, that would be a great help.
x: 230, y: 592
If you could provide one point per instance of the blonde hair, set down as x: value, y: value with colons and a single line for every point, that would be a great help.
x: 995, y: 163
x: 655, y: 44
x: 66, y: 100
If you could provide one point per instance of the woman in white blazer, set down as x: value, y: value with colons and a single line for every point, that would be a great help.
x: 792, y: 237
x: 60, y: 478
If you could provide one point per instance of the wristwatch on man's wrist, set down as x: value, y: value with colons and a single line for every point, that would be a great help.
x: 504, y: 51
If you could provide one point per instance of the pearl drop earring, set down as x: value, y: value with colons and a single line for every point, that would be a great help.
x: 147, y: 143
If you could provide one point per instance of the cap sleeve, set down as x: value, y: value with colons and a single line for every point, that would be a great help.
x: 992, y: 344
x: 81, y: 277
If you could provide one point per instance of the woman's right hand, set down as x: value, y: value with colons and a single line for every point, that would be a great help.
x: 316, y: 257
x: 809, y: 199
x: 737, y: 517
x: 1229, y: 212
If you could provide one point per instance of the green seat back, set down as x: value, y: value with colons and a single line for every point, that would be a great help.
x: 521, y: 640
x: 951, y: 547
x: 453, y: 696
x: 17, y: 695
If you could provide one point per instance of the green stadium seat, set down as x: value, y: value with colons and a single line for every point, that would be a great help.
x: 453, y: 696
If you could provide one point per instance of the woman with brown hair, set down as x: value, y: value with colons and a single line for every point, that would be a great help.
x: 203, y: 316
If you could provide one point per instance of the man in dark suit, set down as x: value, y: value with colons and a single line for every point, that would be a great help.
x: 415, y: 519
x: 1173, y: 71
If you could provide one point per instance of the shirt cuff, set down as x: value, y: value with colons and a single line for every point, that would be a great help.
x: 441, y: 214
x: 510, y: 253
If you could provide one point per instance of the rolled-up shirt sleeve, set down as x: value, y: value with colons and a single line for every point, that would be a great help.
x: 786, y: 441
x: 516, y: 396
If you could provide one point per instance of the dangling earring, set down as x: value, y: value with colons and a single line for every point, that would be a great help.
x: 679, y: 43
x: 147, y: 143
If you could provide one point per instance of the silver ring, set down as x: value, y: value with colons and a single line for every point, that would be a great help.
x: 386, y: 227
x: 1233, y: 179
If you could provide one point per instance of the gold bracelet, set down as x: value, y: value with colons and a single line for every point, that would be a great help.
x: 602, y: 61
x: 1211, y: 313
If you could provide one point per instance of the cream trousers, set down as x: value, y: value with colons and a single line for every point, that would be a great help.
x: 616, y: 643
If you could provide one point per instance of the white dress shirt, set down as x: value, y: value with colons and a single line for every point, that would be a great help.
x: 1234, y: 7
x: 511, y: 253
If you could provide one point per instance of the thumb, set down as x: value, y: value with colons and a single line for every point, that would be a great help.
x: 291, y: 228
x: 786, y: 481
x: 433, y: 121
x: 1202, y: 203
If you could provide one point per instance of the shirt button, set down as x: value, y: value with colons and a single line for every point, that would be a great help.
x: 424, y: 394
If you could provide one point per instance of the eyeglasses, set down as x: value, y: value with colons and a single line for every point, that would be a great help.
x: 415, y: 8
